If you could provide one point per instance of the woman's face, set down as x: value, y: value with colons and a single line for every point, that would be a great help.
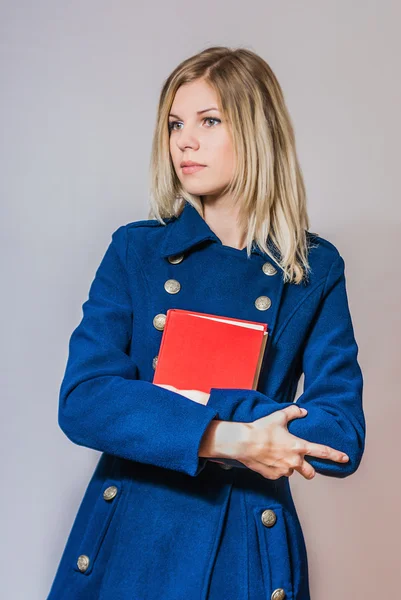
x: 202, y: 138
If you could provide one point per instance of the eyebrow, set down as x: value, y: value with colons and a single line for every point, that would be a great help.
x: 199, y: 112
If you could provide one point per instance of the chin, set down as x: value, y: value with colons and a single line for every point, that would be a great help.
x: 195, y: 191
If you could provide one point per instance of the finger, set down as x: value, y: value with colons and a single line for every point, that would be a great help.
x: 268, y: 471
x: 306, y: 470
x: 293, y: 412
x: 276, y: 472
x: 321, y: 451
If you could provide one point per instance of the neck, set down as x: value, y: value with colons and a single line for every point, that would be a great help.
x: 222, y: 218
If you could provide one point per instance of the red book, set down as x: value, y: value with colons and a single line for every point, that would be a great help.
x: 199, y: 351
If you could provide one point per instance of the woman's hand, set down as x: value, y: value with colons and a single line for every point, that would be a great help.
x: 273, y: 451
x: 194, y: 395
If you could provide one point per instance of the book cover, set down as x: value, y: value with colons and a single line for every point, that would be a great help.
x: 200, y: 351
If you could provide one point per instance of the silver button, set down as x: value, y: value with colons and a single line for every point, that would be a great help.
x: 159, y: 321
x: 172, y: 286
x: 154, y: 362
x: 110, y: 492
x: 175, y: 259
x: 268, y: 517
x: 263, y: 302
x: 224, y: 466
x: 278, y: 594
x: 269, y: 269
x: 83, y: 562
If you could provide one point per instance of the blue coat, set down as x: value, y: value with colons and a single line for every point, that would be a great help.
x: 158, y: 522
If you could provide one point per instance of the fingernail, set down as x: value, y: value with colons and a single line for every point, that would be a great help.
x: 345, y: 457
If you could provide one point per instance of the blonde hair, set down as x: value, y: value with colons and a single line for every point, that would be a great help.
x: 268, y: 180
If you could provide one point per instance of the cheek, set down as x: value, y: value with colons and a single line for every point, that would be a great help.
x: 226, y: 157
x: 226, y: 147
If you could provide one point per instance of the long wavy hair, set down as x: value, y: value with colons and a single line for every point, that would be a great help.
x: 268, y: 181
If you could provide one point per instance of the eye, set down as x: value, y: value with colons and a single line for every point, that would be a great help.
x: 172, y: 124
x: 212, y: 119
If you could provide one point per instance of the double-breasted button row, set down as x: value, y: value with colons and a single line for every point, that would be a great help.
x: 264, y: 302
x: 83, y: 561
x: 172, y: 286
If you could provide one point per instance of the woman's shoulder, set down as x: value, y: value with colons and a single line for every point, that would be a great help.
x: 126, y: 228
x: 324, y: 245
x: 143, y: 235
x: 322, y: 254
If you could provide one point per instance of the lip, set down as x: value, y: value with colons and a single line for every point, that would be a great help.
x: 190, y: 163
x: 192, y: 169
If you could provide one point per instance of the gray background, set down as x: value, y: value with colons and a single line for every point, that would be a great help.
x: 79, y: 87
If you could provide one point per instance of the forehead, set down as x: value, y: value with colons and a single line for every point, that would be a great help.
x: 194, y: 97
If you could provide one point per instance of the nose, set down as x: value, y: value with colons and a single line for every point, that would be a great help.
x: 187, y: 137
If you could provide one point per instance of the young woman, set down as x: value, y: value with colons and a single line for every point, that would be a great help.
x: 228, y: 236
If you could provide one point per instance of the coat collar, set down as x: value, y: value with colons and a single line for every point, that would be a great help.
x: 189, y: 229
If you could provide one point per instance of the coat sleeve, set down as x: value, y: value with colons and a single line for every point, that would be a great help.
x: 102, y: 403
x: 333, y: 385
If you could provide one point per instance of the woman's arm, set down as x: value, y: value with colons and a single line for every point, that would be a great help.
x: 332, y: 385
x: 102, y: 403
